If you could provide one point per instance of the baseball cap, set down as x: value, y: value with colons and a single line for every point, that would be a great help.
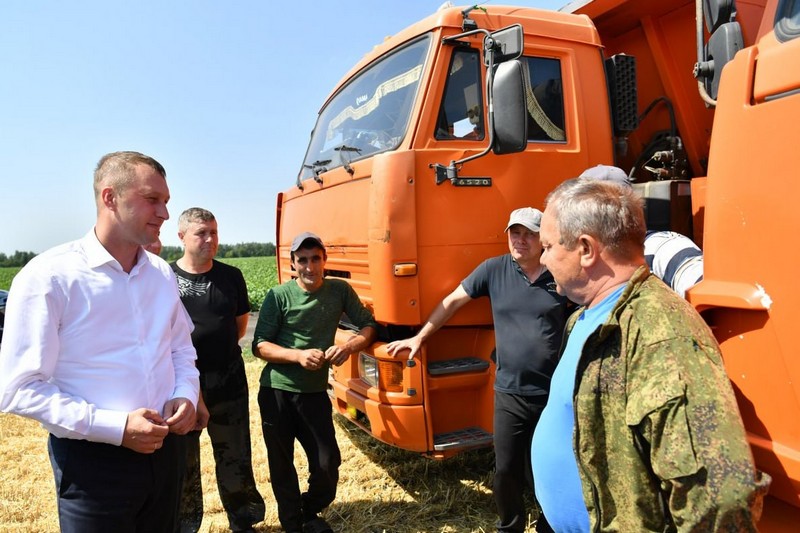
x: 606, y: 173
x: 303, y: 237
x: 527, y: 216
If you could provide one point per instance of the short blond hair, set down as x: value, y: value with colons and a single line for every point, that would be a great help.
x: 118, y: 170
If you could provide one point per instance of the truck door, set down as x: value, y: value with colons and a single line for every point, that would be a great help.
x: 750, y: 292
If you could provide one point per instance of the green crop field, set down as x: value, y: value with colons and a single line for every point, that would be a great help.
x: 260, y: 273
x: 6, y: 275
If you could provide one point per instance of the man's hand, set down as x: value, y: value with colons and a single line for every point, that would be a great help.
x: 337, y: 354
x: 144, y: 431
x: 311, y: 359
x: 201, y: 420
x: 413, y: 344
x: 180, y: 415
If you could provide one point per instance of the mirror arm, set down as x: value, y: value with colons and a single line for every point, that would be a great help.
x: 457, y: 38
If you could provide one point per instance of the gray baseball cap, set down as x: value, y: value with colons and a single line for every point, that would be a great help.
x: 606, y: 173
x: 303, y: 237
x: 527, y: 216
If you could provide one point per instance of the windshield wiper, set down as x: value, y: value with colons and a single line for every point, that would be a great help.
x: 346, y: 164
x: 318, y: 167
x: 345, y: 148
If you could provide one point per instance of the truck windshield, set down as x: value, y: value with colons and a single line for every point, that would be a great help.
x: 370, y: 114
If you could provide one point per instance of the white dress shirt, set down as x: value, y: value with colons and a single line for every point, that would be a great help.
x: 85, y: 343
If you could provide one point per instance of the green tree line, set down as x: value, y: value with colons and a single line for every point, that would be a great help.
x: 226, y: 251
x: 169, y: 253
x: 18, y: 259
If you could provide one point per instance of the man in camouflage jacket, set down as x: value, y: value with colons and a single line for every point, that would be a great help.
x: 657, y: 439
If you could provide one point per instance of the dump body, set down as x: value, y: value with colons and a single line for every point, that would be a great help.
x: 404, y: 241
x: 744, y: 190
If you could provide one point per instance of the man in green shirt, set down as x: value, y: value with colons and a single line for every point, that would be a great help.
x: 295, y: 336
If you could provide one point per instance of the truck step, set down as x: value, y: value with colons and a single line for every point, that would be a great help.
x: 454, y: 366
x: 472, y: 437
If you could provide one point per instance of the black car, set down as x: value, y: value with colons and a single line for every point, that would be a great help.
x: 3, y: 298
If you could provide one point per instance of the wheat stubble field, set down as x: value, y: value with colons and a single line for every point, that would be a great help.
x: 381, y: 489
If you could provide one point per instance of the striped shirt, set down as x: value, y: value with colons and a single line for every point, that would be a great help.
x: 674, y: 258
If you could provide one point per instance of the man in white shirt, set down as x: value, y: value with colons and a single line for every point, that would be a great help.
x: 97, y: 348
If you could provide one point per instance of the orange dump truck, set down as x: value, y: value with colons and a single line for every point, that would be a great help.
x: 428, y: 143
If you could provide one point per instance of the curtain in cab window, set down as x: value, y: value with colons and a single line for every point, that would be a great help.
x: 787, y: 20
x: 544, y: 99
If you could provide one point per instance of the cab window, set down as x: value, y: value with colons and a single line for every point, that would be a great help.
x: 461, y: 112
x: 545, y: 99
x: 787, y: 20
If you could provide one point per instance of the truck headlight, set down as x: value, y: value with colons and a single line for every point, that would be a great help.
x: 385, y: 375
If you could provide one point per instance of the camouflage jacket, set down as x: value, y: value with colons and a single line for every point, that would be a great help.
x: 658, y: 438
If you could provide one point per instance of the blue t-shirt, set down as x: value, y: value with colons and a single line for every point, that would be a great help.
x: 555, y: 470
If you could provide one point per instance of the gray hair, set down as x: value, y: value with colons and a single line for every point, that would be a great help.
x: 193, y: 214
x: 118, y: 170
x: 607, y: 210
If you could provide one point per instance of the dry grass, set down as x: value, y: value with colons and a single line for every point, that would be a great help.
x: 381, y: 489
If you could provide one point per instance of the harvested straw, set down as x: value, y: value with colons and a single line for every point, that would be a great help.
x: 381, y: 489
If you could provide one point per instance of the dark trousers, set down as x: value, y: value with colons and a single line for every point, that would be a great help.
x: 286, y: 416
x: 515, y: 418
x: 226, y: 397
x: 101, y: 487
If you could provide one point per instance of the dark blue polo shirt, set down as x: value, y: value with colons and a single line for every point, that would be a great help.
x: 529, y: 320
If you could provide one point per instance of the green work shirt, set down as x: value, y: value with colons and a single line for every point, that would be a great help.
x: 293, y: 318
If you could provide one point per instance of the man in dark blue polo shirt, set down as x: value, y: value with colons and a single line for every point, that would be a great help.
x: 529, y: 319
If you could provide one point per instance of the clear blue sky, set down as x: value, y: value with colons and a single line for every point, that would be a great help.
x: 223, y: 94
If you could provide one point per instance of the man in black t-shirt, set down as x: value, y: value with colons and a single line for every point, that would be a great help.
x: 529, y: 318
x: 215, y: 296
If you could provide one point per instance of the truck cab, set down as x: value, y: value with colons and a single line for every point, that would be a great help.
x: 404, y: 233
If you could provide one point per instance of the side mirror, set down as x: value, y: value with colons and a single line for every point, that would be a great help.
x: 717, y: 13
x: 510, y: 114
x: 722, y: 46
x: 503, y: 45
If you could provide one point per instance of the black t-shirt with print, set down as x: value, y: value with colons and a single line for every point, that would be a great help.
x: 213, y: 300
